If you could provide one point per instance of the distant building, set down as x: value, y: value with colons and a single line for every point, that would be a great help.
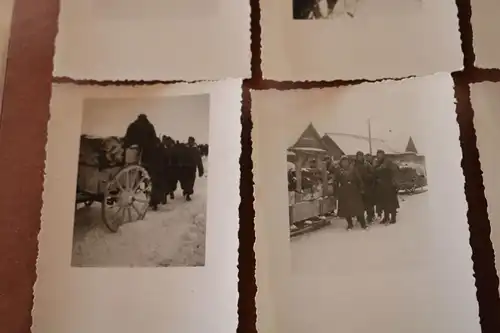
x: 340, y: 144
x: 310, y: 145
x: 410, y: 147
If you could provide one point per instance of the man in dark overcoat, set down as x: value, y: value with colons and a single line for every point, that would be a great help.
x: 142, y: 133
x: 386, y: 187
x: 171, y: 166
x: 190, y: 161
x: 349, y: 190
x: 366, y: 172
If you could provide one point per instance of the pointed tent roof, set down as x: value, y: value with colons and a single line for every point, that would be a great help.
x: 309, y: 140
x: 410, y: 147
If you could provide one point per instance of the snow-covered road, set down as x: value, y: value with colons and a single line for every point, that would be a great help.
x: 172, y: 236
x: 396, y: 278
x: 379, y: 248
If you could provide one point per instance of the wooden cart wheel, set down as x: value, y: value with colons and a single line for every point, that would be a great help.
x: 126, y: 197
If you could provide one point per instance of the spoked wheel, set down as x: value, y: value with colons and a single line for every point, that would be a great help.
x: 126, y: 198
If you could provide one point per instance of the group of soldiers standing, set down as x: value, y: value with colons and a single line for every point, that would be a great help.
x: 167, y: 161
x: 366, y: 189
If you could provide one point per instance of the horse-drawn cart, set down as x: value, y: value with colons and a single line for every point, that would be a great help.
x: 114, y: 177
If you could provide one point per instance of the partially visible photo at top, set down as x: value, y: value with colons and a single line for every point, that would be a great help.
x: 330, y: 9
x: 6, y: 7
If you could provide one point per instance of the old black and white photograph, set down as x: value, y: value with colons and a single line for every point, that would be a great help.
x: 367, y: 177
x: 344, y: 178
x: 334, y: 9
x: 361, y: 217
x: 141, y: 189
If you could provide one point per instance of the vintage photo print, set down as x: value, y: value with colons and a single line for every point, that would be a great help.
x: 485, y: 99
x: 363, y: 182
x: 358, y: 39
x: 332, y: 9
x: 485, y: 29
x: 153, y: 40
x: 360, y: 211
x: 6, y: 8
x: 140, y: 209
x: 142, y: 182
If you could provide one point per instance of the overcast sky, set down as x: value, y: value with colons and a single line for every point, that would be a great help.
x: 179, y: 117
x: 389, y: 116
x: 397, y: 109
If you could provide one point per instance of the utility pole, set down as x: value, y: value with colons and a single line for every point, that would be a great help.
x: 370, y: 136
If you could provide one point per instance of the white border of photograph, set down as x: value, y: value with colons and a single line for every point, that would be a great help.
x: 485, y: 31
x: 485, y: 99
x: 153, y: 40
x: 444, y: 298
x: 173, y: 299
x: 379, y: 45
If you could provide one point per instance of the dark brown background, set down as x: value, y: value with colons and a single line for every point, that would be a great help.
x: 23, y: 131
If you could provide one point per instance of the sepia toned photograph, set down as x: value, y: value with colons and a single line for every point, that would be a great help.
x: 357, y: 174
x: 331, y: 9
x: 141, y: 188
x: 485, y: 99
x: 361, y: 196
x: 348, y: 180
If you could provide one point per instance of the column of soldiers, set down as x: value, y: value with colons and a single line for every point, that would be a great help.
x: 366, y: 189
x: 168, y: 162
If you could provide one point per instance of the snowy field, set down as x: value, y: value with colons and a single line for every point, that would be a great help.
x: 346, y: 281
x: 172, y: 236
x: 379, y: 248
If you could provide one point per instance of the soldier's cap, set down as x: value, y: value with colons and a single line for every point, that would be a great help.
x: 344, y: 158
x: 190, y: 139
x: 360, y: 153
x: 380, y: 151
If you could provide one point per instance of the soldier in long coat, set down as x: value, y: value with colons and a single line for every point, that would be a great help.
x: 349, y: 189
x: 171, y: 166
x: 386, y: 187
x: 366, y: 172
x: 190, y: 161
x: 142, y: 133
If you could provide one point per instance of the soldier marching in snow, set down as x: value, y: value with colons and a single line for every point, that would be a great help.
x: 366, y: 172
x: 386, y: 188
x: 142, y: 133
x: 190, y: 162
x: 349, y: 189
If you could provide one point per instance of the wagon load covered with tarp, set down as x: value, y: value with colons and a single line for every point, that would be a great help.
x: 112, y: 175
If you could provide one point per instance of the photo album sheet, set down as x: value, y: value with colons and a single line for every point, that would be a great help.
x: 485, y: 99
x: 485, y: 31
x: 360, y: 218
x: 139, y: 229
x: 153, y: 40
x: 358, y: 39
